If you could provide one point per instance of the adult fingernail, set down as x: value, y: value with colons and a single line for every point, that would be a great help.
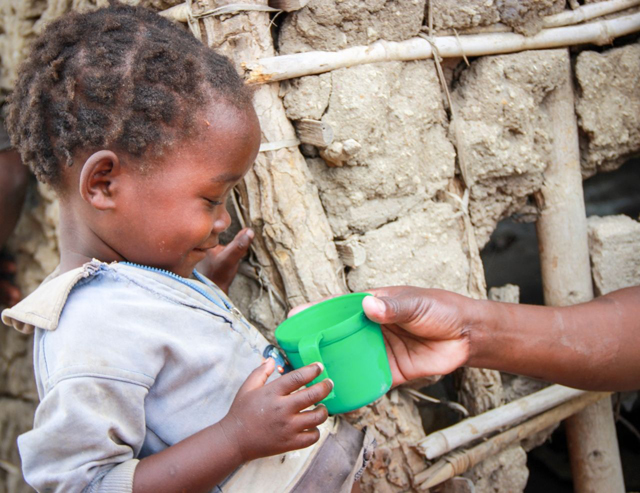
x: 250, y: 234
x: 375, y: 303
x: 331, y: 382
x: 321, y: 366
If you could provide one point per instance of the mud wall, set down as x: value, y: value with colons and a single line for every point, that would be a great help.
x: 391, y: 183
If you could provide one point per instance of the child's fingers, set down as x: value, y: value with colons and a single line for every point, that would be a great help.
x: 308, y: 397
x: 237, y: 249
x: 308, y: 420
x: 258, y: 377
x: 306, y: 438
x: 297, y: 378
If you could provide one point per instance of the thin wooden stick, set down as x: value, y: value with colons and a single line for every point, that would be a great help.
x: 471, y: 429
x: 460, y: 462
x: 316, y: 62
x: 567, y: 18
x: 588, y: 12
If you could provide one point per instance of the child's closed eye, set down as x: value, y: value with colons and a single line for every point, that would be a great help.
x: 213, y: 202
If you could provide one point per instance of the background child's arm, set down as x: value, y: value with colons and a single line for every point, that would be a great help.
x: 263, y: 420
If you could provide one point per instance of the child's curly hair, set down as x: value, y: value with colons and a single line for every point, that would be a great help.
x: 121, y: 77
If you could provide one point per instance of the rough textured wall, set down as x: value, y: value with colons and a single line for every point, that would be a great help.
x: 336, y: 24
x: 615, y: 256
x: 388, y: 183
x: 524, y: 16
x: 608, y: 107
x: 502, y: 131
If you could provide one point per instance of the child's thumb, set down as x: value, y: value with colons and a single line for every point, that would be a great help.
x: 258, y: 377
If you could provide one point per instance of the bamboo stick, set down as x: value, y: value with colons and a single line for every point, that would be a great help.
x: 566, y: 280
x: 316, y: 62
x: 567, y: 18
x: 471, y: 429
x: 460, y: 462
x: 588, y: 12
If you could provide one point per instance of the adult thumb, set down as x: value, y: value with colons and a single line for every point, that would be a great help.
x: 383, y: 310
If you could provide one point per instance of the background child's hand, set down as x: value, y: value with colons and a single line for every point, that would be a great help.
x: 222, y: 262
x: 269, y: 419
x: 9, y: 293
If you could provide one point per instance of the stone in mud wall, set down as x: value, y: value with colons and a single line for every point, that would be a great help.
x: 523, y: 16
x: 608, y: 107
x: 423, y: 248
x: 614, y: 246
x: 336, y: 24
x: 501, y: 473
x: 16, y: 417
x: 502, y: 131
x: 394, y: 112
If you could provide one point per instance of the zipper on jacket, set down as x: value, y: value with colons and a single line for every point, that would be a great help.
x: 225, y: 305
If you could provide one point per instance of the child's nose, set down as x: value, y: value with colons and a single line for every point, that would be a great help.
x: 222, y: 222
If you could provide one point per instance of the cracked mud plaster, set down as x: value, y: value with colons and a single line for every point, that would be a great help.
x: 503, y: 131
x: 608, y: 107
x: 398, y: 120
x: 423, y: 248
x: 523, y: 16
x: 336, y: 24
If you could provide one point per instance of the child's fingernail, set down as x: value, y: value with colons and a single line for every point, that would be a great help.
x: 321, y: 366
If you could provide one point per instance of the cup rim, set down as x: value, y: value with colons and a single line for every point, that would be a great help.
x: 335, y: 333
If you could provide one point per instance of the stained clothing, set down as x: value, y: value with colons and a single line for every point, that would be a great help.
x: 129, y: 361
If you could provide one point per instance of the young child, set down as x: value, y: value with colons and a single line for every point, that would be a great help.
x: 150, y: 379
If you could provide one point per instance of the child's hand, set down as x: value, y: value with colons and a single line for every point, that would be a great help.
x: 269, y: 419
x: 222, y: 262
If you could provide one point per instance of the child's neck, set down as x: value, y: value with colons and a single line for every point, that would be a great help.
x: 79, y: 244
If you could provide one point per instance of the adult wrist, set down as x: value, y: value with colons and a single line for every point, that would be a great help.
x: 480, y: 323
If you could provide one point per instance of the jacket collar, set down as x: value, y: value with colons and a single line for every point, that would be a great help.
x: 43, y: 307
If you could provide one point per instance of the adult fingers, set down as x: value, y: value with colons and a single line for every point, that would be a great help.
x: 308, y: 420
x: 396, y: 307
x: 258, y: 377
x: 312, y: 395
x: 296, y: 379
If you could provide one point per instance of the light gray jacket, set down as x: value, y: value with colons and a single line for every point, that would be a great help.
x: 128, y: 362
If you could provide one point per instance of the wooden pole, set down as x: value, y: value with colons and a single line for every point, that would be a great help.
x: 460, y: 462
x: 471, y: 429
x: 294, y: 242
x: 566, y: 278
x: 271, y: 69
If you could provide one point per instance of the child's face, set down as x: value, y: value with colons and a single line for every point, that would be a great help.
x: 171, y: 216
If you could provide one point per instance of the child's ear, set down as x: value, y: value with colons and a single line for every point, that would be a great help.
x: 97, y: 179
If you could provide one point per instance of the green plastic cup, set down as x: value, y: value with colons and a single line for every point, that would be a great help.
x: 338, y: 334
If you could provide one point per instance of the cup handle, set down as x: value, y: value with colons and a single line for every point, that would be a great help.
x: 309, y: 349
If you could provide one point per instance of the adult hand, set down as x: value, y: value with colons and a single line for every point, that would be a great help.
x: 426, y: 330
x: 222, y: 262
